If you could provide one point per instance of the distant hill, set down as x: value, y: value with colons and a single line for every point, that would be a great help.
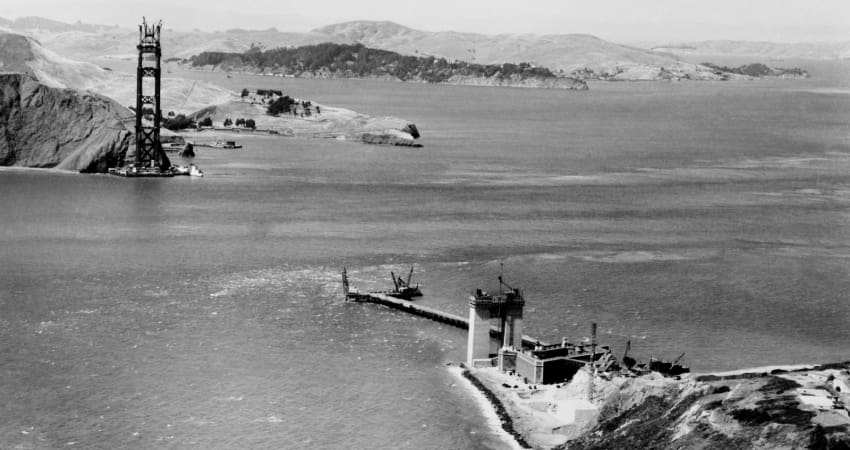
x: 567, y: 53
x: 758, y: 70
x: 40, y: 23
x: 760, y: 50
x: 580, y: 55
x: 330, y: 60
x: 585, y: 55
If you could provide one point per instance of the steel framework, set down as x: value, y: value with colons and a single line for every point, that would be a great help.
x: 149, y: 152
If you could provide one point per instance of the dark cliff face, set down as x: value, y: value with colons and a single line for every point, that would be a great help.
x: 46, y: 127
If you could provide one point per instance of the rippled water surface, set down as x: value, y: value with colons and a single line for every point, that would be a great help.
x: 710, y: 219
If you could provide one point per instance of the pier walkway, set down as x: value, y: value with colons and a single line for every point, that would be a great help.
x: 433, y: 314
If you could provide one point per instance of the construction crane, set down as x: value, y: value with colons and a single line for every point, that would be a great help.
x: 395, y: 281
x: 403, y: 289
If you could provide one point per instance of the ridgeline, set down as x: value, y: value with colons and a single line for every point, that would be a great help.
x: 330, y: 60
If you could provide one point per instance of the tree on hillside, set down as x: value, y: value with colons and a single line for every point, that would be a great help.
x: 245, y: 93
x: 280, y: 106
x: 205, y: 122
x: 228, y: 122
x: 250, y: 124
x: 180, y: 122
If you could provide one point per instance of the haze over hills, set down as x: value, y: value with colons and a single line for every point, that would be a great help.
x: 567, y: 54
x: 41, y: 23
x: 564, y: 53
x: 771, y: 50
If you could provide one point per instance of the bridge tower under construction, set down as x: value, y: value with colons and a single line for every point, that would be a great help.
x: 149, y: 153
x: 483, y: 308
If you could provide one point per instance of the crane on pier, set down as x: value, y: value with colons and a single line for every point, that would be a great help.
x: 403, y: 289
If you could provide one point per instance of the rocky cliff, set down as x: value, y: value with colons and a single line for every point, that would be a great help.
x: 803, y: 408
x: 766, y: 408
x: 41, y: 126
x: 22, y: 54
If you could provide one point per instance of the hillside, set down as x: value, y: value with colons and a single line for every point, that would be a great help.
x: 758, y: 70
x: 567, y: 53
x: 805, y: 408
x: 769, y: 408
x: 25, y: 55
x: 315, y: 121
x: 41, y: 126
x: 357, y: 61
x: 584, y: 55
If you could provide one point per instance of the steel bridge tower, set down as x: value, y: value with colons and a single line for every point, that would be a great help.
x: 149, y: 153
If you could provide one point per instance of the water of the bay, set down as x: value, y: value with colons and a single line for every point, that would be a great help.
x: 705, y: 218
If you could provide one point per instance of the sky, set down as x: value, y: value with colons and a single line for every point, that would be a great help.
x: 616, y: 20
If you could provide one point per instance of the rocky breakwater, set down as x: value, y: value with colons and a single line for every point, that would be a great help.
x: 46, y: 127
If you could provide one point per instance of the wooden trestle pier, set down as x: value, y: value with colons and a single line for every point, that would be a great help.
x: 430, y: 313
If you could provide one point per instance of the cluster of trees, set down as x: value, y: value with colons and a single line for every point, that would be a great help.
x: 358, y: 60
x: 288, y: 105
x: 240, y: 122
x: 282, y: 105
x: 179, y: 122
x: 269, y: 92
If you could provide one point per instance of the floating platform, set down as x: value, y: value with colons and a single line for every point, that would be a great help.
x: 173, y: 171
x: 132, y: 172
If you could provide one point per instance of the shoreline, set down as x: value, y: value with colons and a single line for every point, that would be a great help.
x: 491, y: 401
x: 487, y: 407
x: 558, y: 83
x: 584, y: 411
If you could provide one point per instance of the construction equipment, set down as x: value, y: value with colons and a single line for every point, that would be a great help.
x: 628, y: 361
x: 402, y: 288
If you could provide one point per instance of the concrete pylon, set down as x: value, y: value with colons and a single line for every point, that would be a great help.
x: 482, y: 309
x: 478, y: 340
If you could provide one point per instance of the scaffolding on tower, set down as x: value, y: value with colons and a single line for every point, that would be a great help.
x: 149, y: 153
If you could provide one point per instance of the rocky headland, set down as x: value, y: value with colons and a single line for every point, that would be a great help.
x: 758, y: 70
x: 315, y: 121
x: 46, y: 127
x: 71, y: 115
x: 768, y: 408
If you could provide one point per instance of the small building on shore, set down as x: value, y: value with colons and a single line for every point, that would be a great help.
x: 556, y: 363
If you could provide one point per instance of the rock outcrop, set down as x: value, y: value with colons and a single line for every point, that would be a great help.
x: 46, y: 127
x: 804, y: 408
x: 766, y: 408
